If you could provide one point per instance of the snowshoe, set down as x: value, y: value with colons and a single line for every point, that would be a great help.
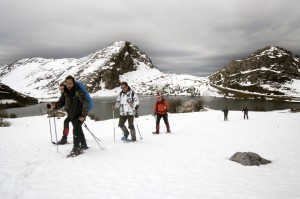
x: 75, y: 152
x: 84, y: 147
x: 155, y: 132
x: 62, y: 141
x: 125, y: 139
x: 57, y: 143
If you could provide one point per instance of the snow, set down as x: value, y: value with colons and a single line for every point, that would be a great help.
x: 191, y: 162
x: 7, y: 101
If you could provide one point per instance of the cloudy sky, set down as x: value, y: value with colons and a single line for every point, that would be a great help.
x: 183, y: 36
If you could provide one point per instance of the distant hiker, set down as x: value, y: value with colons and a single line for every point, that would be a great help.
x: 76, y: 105
x: 64, y: 139
x: 161, y: 109
x: 225, y: 114
x: 245, y: 110
x: 127, y: 101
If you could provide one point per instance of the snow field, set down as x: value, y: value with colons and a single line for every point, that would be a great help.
x: 191, y: 162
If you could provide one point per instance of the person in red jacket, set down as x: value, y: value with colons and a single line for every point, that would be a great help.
x: 161, y: 109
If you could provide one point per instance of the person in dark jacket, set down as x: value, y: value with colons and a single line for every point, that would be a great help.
x: 76, y: 106
x: 245, y: 110
x: 225, y: 114
x: 161, y: 108
x: 64, y: 139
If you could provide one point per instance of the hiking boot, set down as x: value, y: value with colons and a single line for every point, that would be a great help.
x: 168, y: 131
x: 84, y: 147
x: 125, y: 136
x: 133, y: 137
x: 62, y: 141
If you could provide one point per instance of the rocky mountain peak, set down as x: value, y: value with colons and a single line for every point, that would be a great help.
x: 268, y: 71
x: 118, y: 58
x: 99, y: 70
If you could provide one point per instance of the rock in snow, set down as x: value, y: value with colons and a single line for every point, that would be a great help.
x: 249, y: 159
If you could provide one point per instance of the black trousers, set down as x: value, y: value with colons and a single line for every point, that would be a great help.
x: 165, y: 118
x: 78, y: 136
x: 225, y: 117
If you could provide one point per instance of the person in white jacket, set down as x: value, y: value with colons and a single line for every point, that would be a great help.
x: 127, y: 102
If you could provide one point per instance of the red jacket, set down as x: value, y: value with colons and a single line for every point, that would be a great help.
x: 161, y: 106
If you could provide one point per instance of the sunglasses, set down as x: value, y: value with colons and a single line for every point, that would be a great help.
x: 123, y: 87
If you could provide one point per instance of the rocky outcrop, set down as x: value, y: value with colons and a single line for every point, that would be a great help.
x: 126, y: 59
x: 270, y: 71
x: 249, y: 159
x: 190, y: 106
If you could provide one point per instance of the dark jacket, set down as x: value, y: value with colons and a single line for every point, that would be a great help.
x: 75, y: 102
x: 245, y: 110
x: 225, y: 111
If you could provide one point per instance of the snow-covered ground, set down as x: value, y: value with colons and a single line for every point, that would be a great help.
x: 191, y: 162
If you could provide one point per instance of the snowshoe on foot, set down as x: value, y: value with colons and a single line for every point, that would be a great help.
x: 84, y: 147
x: 62, y: 141
x: 125, y: 139
x: 75, y: 152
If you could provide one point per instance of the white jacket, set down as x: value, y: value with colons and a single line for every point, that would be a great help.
x: 123, y: 103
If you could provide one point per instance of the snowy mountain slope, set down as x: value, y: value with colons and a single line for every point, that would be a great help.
x: 191, y: 162
x: 101, y: 72
x: 271, y: 71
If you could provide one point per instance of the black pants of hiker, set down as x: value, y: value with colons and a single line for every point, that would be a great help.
x: 246, y: 116
x: 78, y: 136
x: 165, y: 118
x: 225, y: 117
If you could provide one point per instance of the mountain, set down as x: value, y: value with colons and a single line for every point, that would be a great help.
x: 13, y: 98
x: 271, y: 71
x: 101, y: 72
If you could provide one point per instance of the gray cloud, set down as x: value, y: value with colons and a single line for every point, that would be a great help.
x: 189, y: 36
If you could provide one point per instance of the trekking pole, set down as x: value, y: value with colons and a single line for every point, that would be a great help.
x: 114, y: 125
x: 95, y: 138
x: 138, y: 128
x: 50, y: 127
x: 55, y: 132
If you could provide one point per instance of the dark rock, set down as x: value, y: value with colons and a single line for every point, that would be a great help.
x: 249, y: 159
x: 6, y: 93
x: 273, y: 66
x: 190, y: 106
x: 125, y: 60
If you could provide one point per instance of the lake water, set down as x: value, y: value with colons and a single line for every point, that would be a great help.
x: 102, y: 106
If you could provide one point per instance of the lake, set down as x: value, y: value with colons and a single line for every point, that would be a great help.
x: 102, y: 106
